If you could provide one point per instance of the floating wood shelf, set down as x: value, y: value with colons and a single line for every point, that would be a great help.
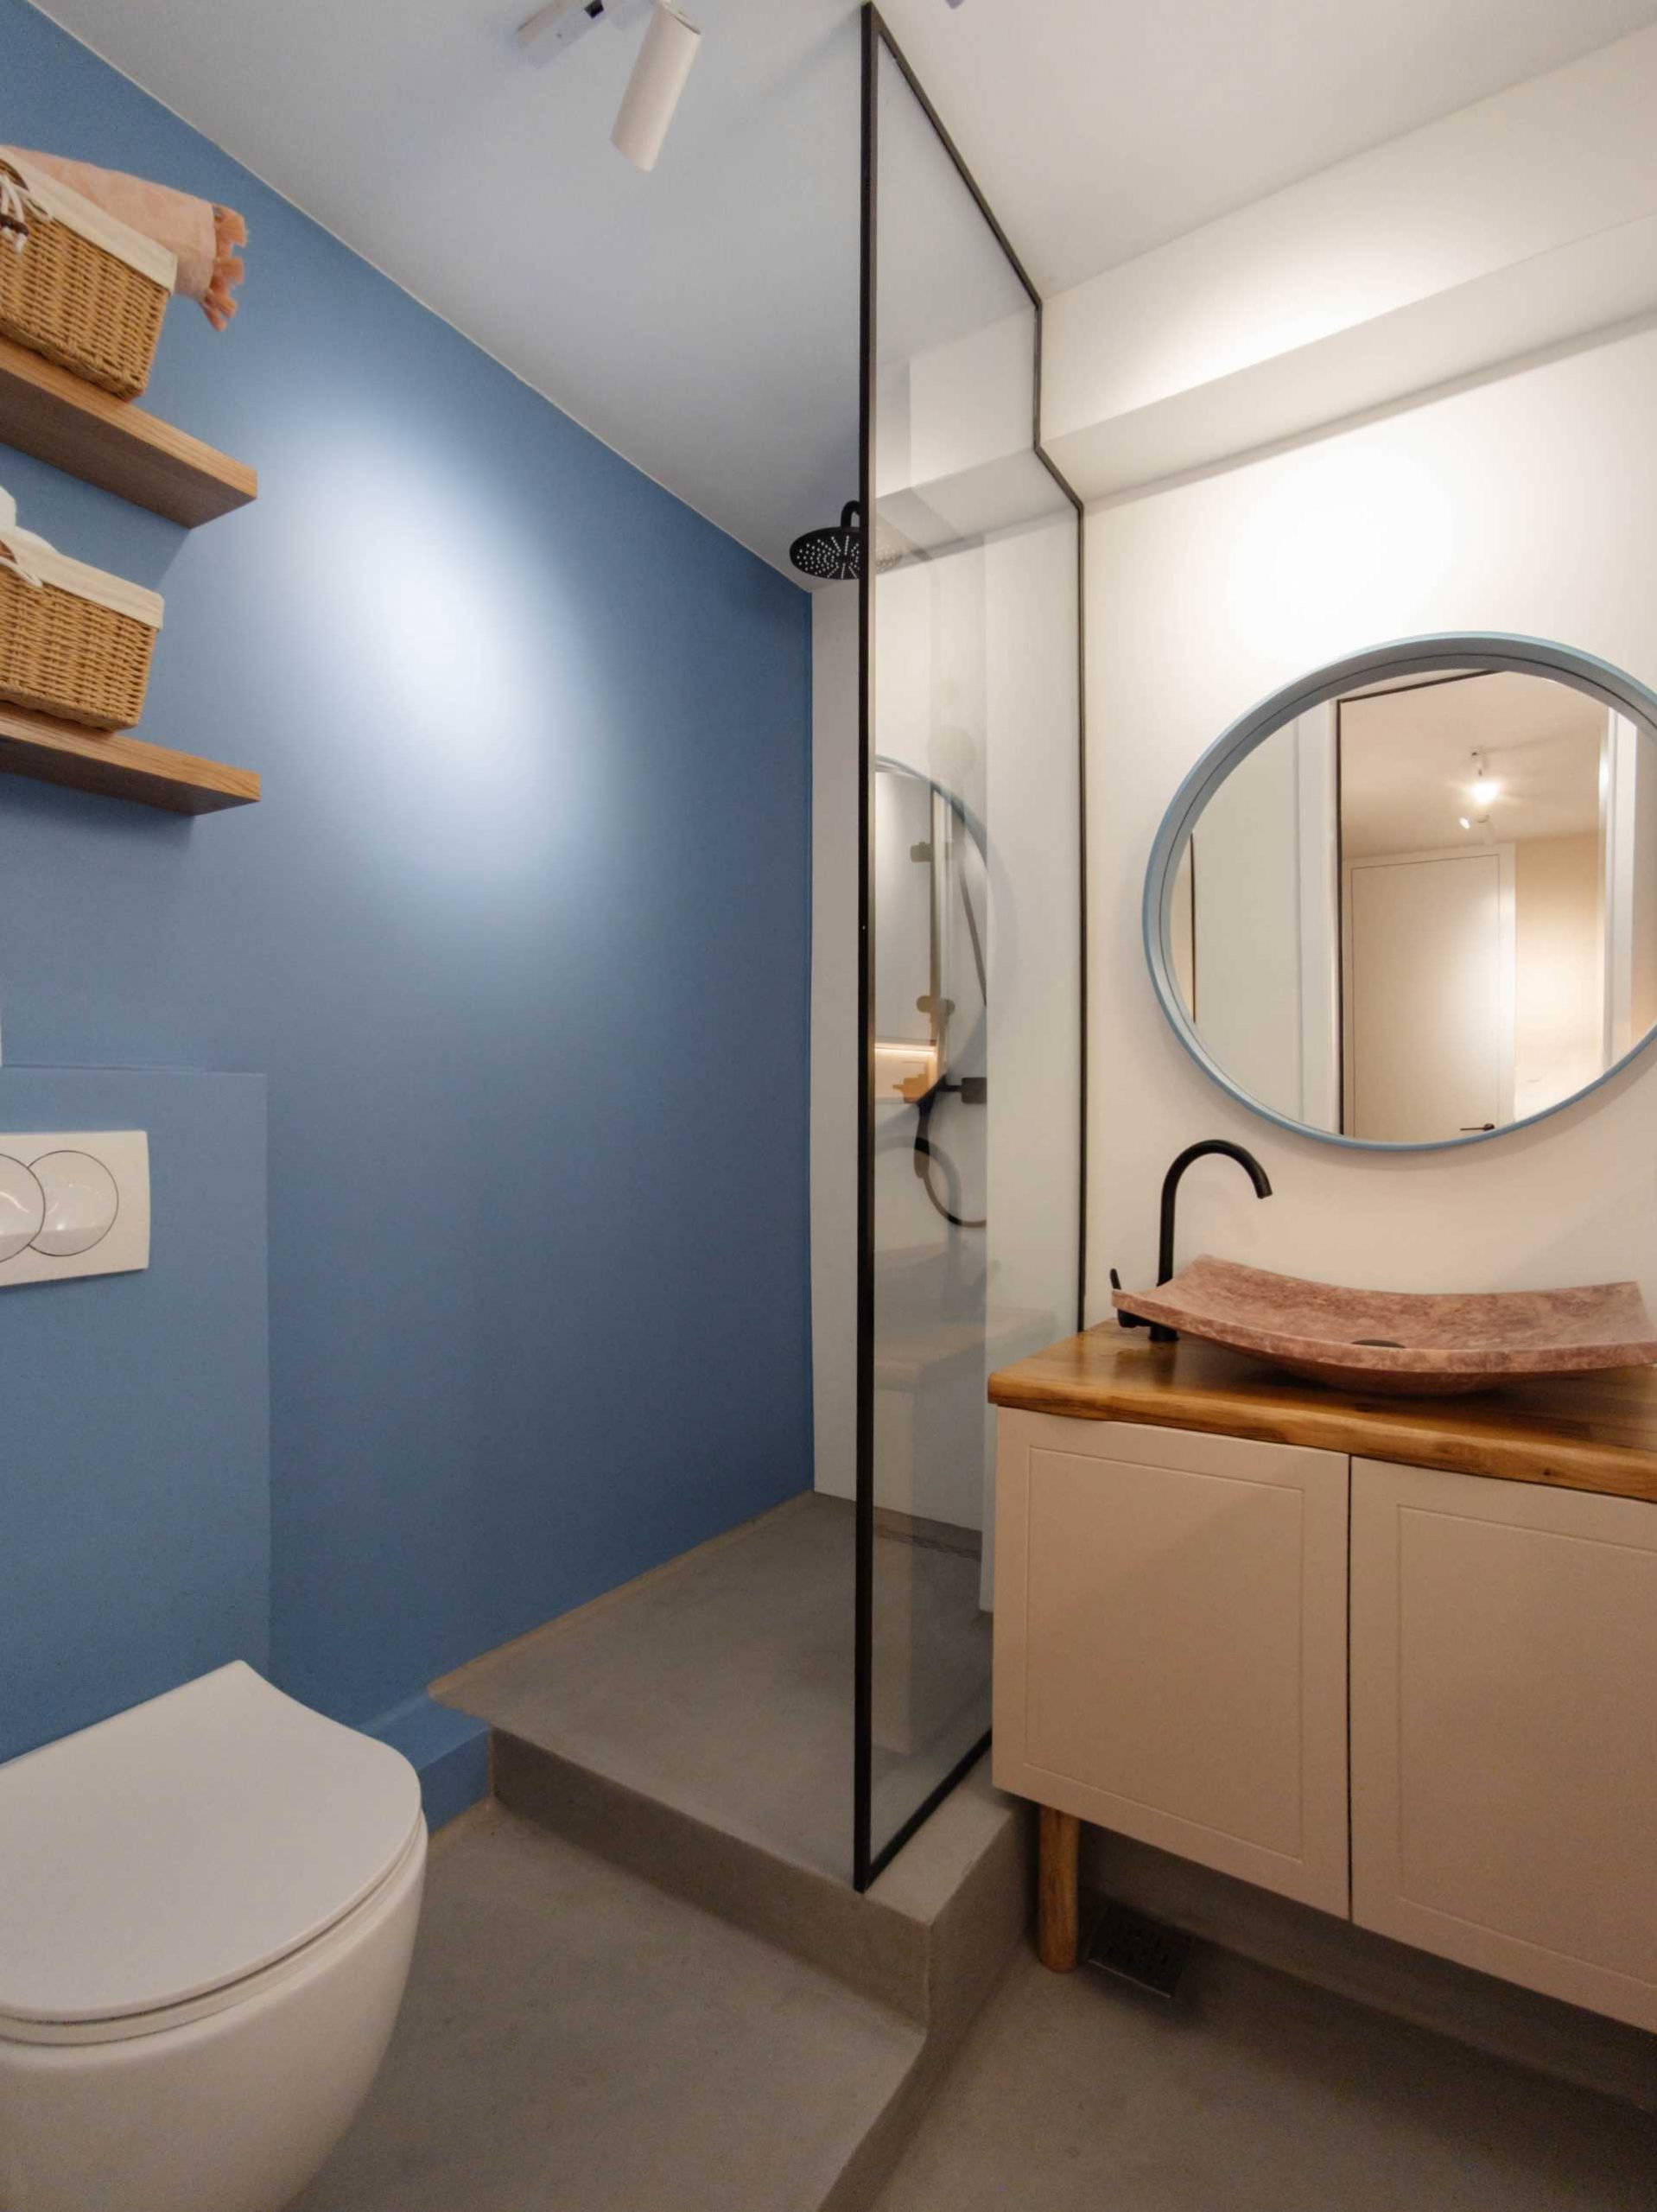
x: 110, y: 442
x: 118, y: 766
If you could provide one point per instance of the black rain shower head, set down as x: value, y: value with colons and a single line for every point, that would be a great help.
x: 834, y: 556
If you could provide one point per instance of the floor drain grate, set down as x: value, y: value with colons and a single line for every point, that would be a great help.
x: 1136, y: 1948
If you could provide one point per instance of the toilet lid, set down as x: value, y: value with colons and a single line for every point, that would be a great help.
x: 186, y: 1845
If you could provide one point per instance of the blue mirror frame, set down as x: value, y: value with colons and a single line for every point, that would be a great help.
x: 1484, y: 651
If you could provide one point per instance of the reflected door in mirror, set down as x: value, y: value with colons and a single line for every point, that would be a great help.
x: 1429, y: 996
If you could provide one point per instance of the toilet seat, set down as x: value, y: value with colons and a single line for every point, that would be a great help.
x: 342, y: 1936
x: 181, y: 1857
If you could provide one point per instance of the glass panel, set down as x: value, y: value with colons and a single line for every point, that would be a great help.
x: 975, y: 926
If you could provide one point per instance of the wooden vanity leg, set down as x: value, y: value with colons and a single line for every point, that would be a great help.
x: 1058, y: 1903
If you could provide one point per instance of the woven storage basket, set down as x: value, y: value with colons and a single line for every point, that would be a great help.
x: 76, y: 643
x: 83, y: 289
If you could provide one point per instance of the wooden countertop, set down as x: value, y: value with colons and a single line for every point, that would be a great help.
x: 1589, y: 1432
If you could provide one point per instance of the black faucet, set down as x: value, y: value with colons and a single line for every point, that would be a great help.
x: 1160, y: 1333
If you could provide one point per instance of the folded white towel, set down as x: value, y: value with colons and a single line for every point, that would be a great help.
x: 36, y: 563
x: 44, y: 194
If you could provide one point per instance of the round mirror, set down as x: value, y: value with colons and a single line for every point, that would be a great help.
x: 1411, y: 899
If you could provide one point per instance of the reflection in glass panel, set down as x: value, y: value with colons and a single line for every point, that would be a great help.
x: 1427, y: 908
x: 975, y: 894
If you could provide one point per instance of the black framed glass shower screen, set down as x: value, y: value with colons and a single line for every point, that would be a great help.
x: 971, y: 982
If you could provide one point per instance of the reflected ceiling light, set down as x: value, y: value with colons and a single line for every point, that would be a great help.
x: 1465, y: 823
x: 1485, y: 788
x: 671, y: 44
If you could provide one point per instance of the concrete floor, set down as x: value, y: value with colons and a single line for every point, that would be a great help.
x: 1256, y: 2093
x: 721, y: 1684
x: 574, y: 2040
x: 577, y: 2038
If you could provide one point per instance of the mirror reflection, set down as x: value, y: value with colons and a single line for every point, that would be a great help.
x: 931, y: 999
x: 1427, y: 909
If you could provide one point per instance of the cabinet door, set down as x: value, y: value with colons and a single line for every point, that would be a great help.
x: 1171, y: 1643
x: 1504, y: 1730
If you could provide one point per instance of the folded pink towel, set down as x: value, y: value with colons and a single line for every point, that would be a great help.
x: 201, y: 236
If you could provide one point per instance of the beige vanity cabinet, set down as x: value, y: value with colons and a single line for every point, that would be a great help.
x: 1171, y: 1643
x: 1504, y: 1729
x: 1174, y: 1614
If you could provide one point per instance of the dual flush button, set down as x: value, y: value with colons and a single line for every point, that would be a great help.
x: 73, y: 1205
x: 62, y: 1205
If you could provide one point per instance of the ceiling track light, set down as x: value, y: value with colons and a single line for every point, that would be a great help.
x: 671, y: 44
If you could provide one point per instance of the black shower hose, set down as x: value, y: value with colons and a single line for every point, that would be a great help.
x: 926, y: 1152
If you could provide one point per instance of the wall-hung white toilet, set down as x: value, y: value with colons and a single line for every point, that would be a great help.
x: 207, y: 1906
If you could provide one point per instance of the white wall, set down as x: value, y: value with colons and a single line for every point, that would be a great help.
x: 1246, y: 932
x: 1558, y: 1035
x: 1257, y: 940
x: 1523, y: 505
x: 1642, y: 981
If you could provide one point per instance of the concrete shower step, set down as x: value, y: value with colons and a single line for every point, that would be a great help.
x: 719, y: 1683
x: 694, y: 1727
x: 691, y: 1731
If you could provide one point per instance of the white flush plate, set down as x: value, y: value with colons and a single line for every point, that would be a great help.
x: 73, y: 1205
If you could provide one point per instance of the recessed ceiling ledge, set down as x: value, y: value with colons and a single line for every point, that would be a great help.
x: 1510, y: 228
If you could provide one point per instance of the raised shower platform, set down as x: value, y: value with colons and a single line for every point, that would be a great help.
x: 648, y: 1945
x: 717, y: 1686
x: 696, y: 1726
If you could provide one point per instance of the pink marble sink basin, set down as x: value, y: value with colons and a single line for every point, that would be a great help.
x: 1403, y: 1343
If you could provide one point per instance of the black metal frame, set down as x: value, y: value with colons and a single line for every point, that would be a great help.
x: 863, y: 1711
x: 867, y: 1862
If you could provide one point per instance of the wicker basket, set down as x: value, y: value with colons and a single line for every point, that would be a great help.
x: 81, y: 289
x: 75, y: 642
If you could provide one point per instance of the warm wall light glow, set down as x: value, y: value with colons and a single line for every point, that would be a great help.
x: 908, y: 1072
x: 1347, y: 542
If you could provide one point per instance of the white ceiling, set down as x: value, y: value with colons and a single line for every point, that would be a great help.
x: 1407, y: 772
x: 1098, y: 129
x: 704, y: 320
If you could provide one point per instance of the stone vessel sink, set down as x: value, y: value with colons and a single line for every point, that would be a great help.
x: 1402, y: 1343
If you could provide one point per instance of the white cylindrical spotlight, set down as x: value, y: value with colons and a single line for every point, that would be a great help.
x: 653, y: 89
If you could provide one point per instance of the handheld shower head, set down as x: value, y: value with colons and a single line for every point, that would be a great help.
x: 836, y: 554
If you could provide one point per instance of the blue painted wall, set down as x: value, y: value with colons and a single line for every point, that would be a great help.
x: 135, y: 1448
x: 519, y: 934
